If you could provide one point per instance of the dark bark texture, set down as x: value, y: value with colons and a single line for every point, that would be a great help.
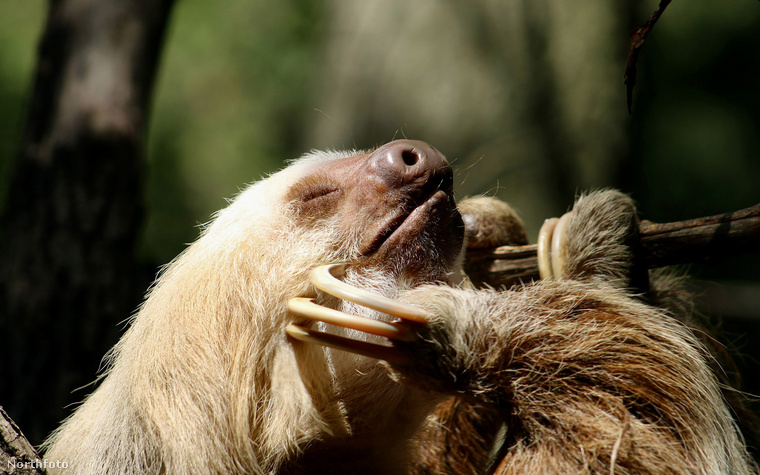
x: 17, y: 456
x: 68, y: 271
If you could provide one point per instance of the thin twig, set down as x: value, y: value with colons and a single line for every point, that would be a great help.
x: 637, y: 41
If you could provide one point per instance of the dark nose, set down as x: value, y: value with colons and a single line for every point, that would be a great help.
x: 405, y: 162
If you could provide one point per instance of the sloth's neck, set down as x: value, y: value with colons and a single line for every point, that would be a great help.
x: 372, y: 433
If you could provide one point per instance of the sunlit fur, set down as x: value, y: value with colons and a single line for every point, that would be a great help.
x: 205, y: 380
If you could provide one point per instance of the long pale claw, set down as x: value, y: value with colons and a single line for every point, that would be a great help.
x: 325, y: 278
x: 551, y: 247
x: 558, y: 246
x: 306, y: 307
x: 544, y: 248
x: 372, y: 350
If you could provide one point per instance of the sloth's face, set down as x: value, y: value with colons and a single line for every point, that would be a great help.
x: 394, y: 208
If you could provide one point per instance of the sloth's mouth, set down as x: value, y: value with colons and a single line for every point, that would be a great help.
x: 407, y: 225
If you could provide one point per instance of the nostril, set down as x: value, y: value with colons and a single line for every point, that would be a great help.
x: 404, y: 162
x: 410, y: 157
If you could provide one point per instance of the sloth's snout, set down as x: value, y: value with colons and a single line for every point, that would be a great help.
x: 411, y: 162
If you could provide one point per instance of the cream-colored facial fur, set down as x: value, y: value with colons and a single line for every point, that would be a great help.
x: 205, y: 380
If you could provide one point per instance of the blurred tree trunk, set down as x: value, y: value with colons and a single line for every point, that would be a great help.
x: 68, y: 271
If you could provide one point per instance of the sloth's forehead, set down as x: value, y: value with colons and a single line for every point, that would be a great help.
x: 316, y: 157
x: 268, y: 196
x: 307, y: 165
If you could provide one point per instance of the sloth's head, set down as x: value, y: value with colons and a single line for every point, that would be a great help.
x: 390, y: 210
x: 393, y: 208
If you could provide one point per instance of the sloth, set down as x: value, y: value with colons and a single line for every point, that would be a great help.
x: 575, y: 375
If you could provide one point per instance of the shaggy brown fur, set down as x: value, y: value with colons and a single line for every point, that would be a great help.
x: 588, y: 383
x: 585, y: 377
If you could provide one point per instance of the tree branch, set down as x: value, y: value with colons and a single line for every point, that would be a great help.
x: 16, y: 453
x: 694, y: 240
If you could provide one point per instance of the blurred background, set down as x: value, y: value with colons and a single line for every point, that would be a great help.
x: 525, y: 97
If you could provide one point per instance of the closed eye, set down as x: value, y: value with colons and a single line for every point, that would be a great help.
x: 317, y: 191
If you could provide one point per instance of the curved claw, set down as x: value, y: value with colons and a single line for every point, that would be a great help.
x: 325, y: 278
x: 551, y: 247
x: 558, y: 246
x: 306, y: 307
x: 544, y: 248
x: 372, y: 350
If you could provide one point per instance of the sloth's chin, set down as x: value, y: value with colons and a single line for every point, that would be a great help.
x: 425, y: 243
x: 429, y: 214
